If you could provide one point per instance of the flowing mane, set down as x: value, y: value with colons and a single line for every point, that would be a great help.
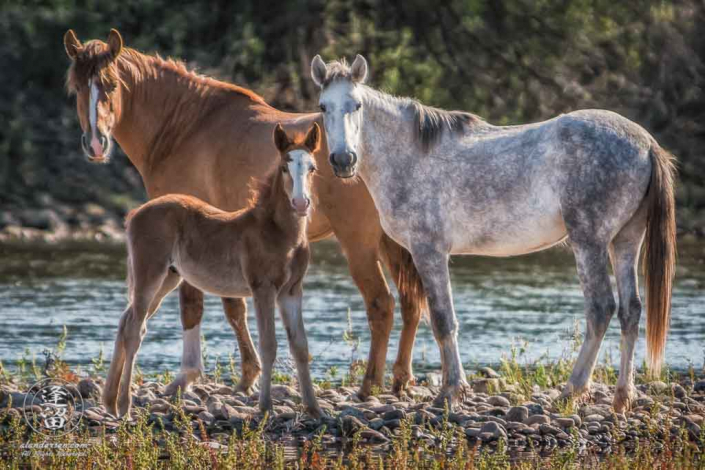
x: 95, y: 56
x: 429, y: 123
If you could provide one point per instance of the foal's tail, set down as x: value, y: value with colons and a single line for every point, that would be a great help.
x: 659, y: 254
x: 411, y: 292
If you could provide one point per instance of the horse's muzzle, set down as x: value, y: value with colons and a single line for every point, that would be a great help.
x: 344, y: 164
x: 96, y: 155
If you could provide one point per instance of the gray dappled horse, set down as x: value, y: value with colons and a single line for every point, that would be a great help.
x: 447, y: 182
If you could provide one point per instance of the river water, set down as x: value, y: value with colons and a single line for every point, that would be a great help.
x: 533, y: 301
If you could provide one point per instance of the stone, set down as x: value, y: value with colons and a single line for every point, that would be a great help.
x: 488, y: 372
x: 434, y: 379
x: 376, y: 424
x: 498, y: 400
x: 351, y: 425
x: 485, y: 385
x: 280, y: 392
x: 679, y: 391
x: 89, y: 389
x: 565, y: 423
x: 392, y: 423
x: 699, y: 386
x: 494, y: 429
x: 534, y: 408
x: 517, y: 413
x: 548, y: 429
x: 373, y: 435
x: 419, y: 393
x: 595, y: 418
x: 206, y: 417
x: 352, y: 411
x: 537, y: 419
x: 472, y: 432
x: 658, y: 387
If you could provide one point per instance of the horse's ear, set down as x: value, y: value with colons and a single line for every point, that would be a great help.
x: 313, y: 138
x: 318, y: 71
x: 359, y: 69
x: 281, y: 140
x: 72, y: 45
x: 114, y: 43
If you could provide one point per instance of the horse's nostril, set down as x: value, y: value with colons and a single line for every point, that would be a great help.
x: 353, y: 158
x: 84, y: 145
x: 104, y: 143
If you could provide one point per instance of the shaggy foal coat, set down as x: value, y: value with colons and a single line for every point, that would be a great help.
x: 261, y: 251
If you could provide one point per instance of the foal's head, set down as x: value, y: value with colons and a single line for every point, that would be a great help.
x: 341, y: 104
x: 93, y: 76
x: 297, y: 166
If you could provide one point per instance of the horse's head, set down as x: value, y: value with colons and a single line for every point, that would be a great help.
x: 341, y: 104
x: 93, y: 76
x: 298, y: 166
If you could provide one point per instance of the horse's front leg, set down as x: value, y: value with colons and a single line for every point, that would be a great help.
x: 291, y: 311
x: 191, y: 305
x: 432, y: 266
x: 236, y: 313
x: 264, y: 299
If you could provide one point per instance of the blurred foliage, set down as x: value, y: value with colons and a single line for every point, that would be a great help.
x: 510, y: 61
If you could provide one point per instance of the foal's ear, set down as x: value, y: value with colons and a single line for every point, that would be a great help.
x: 318, y: 71
x: 114, y: 43
x: 72, y: 45
x: 359, y: 69
x: 313, y: 138
x: 281, y: 140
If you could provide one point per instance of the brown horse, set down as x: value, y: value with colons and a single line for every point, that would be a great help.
x: 260, y: 251
x: 189, y: 134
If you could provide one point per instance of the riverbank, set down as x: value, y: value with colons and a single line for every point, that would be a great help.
x: 509, y: 421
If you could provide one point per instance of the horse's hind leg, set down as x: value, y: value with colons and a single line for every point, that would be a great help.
x: 591, y: 260
x: 411, y: 309
x: 191, y: 305
x: 624, y: 252
x: 236, y: 313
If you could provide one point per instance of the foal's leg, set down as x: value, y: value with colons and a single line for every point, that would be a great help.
x: 290, y: 308
x: 191, y: 305
x: 591, y: 260
x: 152, y: 283
x: 433, y: 269
x: 624, y: 252
x: 236, y: 313
x: 412, y: 304
x: 264, y: 299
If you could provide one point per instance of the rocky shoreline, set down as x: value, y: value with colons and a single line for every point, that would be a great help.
x: 540, y: 425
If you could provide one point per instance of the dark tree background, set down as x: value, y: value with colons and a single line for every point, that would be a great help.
x: 510, y: 61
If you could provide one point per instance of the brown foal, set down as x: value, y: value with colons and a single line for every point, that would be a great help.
x: 260, y: 251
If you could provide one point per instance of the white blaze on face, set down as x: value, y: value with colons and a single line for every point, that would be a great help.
x: 342, y: 117
x: 298, y: 168
x: 93, y: 118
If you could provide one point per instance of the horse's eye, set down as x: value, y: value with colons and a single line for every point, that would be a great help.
x: 312, y: 169
x: 323, y: 107
x: 358, y: 106
x: 285, y: 169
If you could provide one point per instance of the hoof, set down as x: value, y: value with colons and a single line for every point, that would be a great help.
x: 365, y: 390
x: 315, y: 412
x: 622, y: 399
x: 182, y: 382
x: 577, y: 394
x: 451, y: 395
